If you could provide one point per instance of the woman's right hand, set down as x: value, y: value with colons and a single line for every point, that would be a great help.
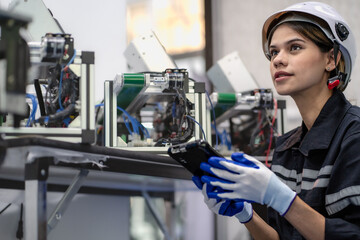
x: 240, y: 209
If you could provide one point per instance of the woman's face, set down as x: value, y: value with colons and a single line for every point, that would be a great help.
x: 297, y: 64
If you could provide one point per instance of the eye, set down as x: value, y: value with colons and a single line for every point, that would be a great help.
x: 273, y: 53
x: 295, y: 48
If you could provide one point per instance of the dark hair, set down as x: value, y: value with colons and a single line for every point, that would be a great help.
x: 316, y: 35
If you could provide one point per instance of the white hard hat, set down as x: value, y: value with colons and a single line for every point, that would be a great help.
x: 327, y: 19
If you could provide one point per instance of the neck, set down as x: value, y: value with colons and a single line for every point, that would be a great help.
x: 310, y: 104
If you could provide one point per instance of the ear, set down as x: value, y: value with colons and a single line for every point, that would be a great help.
x: 330, y: 63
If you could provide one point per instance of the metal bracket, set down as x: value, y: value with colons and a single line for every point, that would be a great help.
x: 63, y: 204
x: 158, y: 220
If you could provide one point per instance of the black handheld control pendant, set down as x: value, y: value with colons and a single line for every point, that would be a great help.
x: 192, y: 154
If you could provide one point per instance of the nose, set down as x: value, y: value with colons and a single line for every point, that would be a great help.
x: 280, y: 59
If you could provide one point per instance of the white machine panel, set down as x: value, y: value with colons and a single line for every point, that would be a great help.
x: 145, y: 54
x: 230, y: 75
x: 42, y: 21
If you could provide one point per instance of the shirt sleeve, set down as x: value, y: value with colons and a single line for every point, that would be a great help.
x: 342, y: 199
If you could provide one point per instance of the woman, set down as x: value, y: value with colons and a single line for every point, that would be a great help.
x: 313, y: 190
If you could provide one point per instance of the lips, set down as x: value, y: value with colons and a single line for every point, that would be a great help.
x: 281, y: 75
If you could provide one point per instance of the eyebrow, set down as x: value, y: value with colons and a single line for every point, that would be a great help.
x: 289, y: 42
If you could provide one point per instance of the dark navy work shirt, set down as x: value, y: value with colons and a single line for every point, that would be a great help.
x: 323, y: 167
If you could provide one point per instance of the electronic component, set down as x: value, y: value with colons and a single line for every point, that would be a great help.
x: 52, y: 48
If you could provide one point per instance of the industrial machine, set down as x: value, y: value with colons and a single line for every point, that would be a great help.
x: 245, y: 121
x: 227, y: 105
x: 245, y: 115
x: 154, y: 106
x: 46, y: 85
x: 172, y: 108
x: 60, y: 92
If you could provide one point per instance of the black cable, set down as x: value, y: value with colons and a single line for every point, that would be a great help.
x: 3, y: 210
x: 59, y: 116
x: 182, y: 99
x: 39, y: 97
x: 46, y: 99
x: 20, y: 230
x: 2, y: 156
x: 54, y: 73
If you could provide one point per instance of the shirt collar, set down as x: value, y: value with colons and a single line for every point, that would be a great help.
x: 323, y: 129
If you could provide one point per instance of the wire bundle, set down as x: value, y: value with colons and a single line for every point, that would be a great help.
x: 136, y: 126
x: 61, y: 78
x: 57, y: 110
x: 31, y: 118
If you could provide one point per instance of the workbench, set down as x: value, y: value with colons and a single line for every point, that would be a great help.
x: 38, y: 164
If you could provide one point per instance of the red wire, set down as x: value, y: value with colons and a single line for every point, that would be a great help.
x: 271, y: 133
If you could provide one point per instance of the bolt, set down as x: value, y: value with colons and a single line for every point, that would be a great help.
x: 58, y: 216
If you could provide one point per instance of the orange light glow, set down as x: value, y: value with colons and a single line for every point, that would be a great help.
x: 179, y: 24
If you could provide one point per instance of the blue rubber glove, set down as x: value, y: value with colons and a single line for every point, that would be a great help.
x: 247, y: 179
x: 197, y: 181
x: 241, y: 210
